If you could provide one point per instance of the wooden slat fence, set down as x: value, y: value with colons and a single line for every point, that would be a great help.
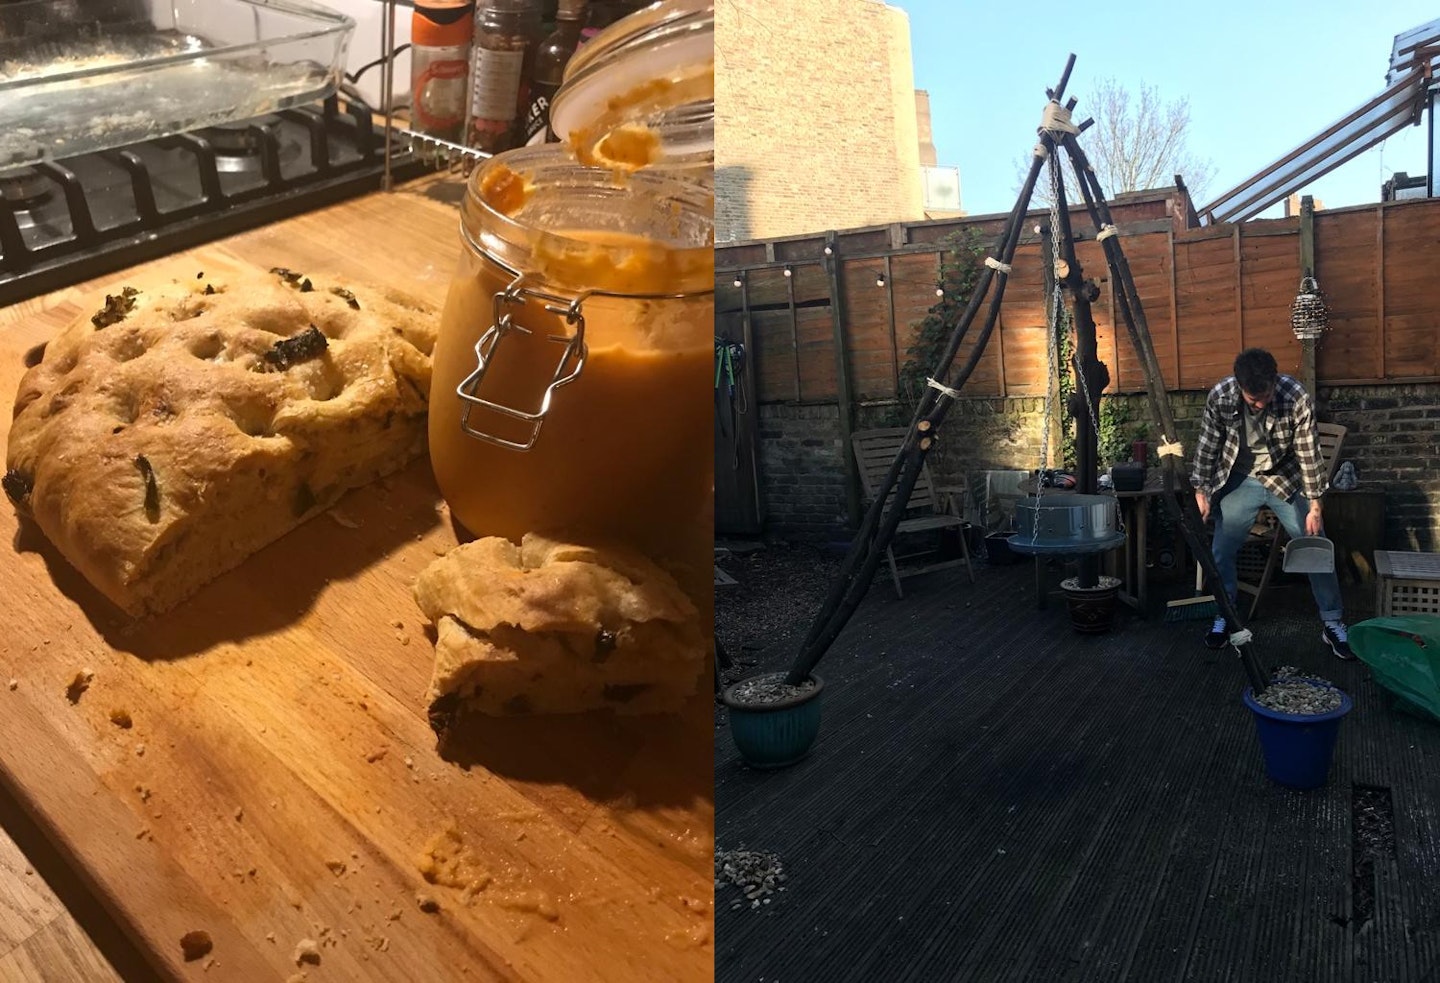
x: 1207, y: 293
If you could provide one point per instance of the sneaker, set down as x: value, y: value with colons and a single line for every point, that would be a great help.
x: 1335, y: 636
x: 1219, y: 635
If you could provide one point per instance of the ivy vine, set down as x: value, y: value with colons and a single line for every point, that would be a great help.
x: 960, y: 265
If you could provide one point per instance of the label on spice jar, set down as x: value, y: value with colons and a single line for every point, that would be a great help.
x: 495, y: 84
x: 439, y: 95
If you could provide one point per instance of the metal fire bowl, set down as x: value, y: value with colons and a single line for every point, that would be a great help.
x: 1066, y: 523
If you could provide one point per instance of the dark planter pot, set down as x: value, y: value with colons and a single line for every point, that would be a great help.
x: 1092, y: 609
x: 998, y: 552
x: 773, y: 735
x: 1298, y: 747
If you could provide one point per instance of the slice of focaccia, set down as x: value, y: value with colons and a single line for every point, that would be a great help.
x: 162, y: 440
x: 547, y: 627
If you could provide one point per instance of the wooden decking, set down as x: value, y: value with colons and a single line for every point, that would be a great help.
x: 994, y: 797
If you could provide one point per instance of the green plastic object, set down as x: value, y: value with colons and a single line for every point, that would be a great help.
x: 1404, y: 656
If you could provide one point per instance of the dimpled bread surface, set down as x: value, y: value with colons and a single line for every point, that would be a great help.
x: 175, y: 432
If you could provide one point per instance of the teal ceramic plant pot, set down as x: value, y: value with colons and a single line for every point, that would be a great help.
x: 773, y: 735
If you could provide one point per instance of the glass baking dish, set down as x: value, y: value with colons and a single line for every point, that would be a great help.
x: 83, y: 75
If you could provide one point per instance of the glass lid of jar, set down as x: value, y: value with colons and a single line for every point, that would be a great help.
x: 642, y: 91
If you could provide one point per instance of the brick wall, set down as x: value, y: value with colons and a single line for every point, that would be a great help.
x: 818, y: 130
x: 1393, y: 440
x: 802, y: 471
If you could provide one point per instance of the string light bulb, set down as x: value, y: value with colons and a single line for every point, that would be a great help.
x: 738, y: 282
x: 879, y: 279
x: 788, y: 272
x: 829, y: 251
x: 939, y: 291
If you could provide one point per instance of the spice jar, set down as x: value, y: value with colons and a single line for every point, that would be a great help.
x: 572, y: 373
x: 505, y: 36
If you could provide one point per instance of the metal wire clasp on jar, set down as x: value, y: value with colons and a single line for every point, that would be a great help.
x: 567, y: 369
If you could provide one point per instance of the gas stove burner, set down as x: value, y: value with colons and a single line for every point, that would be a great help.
x: 25, y: 188
x: 238, y: 146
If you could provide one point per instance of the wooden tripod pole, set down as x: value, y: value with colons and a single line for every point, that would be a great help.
x: 877, y: 529
x: 1133, y: 313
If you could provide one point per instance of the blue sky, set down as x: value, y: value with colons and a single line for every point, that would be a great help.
x: 1261, y: 77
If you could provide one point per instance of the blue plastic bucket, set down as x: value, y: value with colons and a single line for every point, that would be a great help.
x: 1298, y: 747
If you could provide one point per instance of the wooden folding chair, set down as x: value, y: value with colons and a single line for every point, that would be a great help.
x: 875, y: 451
x: 1267, y: 531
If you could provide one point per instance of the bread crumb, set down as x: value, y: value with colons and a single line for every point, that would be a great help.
x: 208, y: 963
x: 143, y: 792
x: 121, y: 719
x: 144, y: 832
x: 139, y: 750
x: 403, y: 638
x: 78, y: 685
x: 337, y: 867
x: 377, y: 754
x: 306, y: 951
x: 397, y: 623
x: 426, y: 903
x: 296, y: 978
x: 14, y: 684
x: 239, y: 813
x: 269, y: 936
x: 409, y: 762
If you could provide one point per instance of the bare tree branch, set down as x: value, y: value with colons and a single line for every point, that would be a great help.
x: 1138, y: 142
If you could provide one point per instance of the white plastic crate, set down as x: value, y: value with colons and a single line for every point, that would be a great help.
x: 1406, y: 583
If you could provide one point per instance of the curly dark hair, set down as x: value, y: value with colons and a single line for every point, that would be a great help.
x: 1255, y: 371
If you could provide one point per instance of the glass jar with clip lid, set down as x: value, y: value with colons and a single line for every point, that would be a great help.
x: 572, y: 390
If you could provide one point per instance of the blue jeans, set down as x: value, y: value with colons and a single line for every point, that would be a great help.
x: 1235, y: 507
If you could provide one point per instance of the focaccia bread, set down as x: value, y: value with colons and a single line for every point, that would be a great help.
x: 164, y: 439
x: 548, y: 627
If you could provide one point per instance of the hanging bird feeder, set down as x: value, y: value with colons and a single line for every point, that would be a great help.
x: 1308, y: 316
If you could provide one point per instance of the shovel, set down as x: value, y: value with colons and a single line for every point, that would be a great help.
x: 1310, y: 554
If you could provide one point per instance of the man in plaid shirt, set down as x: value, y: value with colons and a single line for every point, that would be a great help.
x: 1259, y: 447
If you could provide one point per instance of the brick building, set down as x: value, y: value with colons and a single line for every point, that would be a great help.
x: 818, y: 124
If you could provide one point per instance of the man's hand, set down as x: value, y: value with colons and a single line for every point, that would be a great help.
x: 1314, y: 524
x: 1202, y: 502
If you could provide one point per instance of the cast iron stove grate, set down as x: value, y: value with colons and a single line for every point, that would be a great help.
x: 65, y: 221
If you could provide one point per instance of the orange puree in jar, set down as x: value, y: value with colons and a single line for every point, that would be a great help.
x: 615, y: 141
x: 504, y: 190
x: 623, y: 453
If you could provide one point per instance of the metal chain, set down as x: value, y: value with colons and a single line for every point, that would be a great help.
x: 1055, y: 178
x: 1052, y: 349
x: 1056, y: 307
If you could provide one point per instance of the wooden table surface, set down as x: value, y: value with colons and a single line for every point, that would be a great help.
x: 280, y: 782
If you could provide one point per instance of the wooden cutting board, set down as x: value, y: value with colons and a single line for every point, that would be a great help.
x: 280, y: 782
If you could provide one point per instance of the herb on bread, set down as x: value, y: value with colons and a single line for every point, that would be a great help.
x: 116, y: 307
x: 605, y: 642
x: 18, y: 486
x: 346, y: 296
x: 152, y: 490
x: 302, y: 347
